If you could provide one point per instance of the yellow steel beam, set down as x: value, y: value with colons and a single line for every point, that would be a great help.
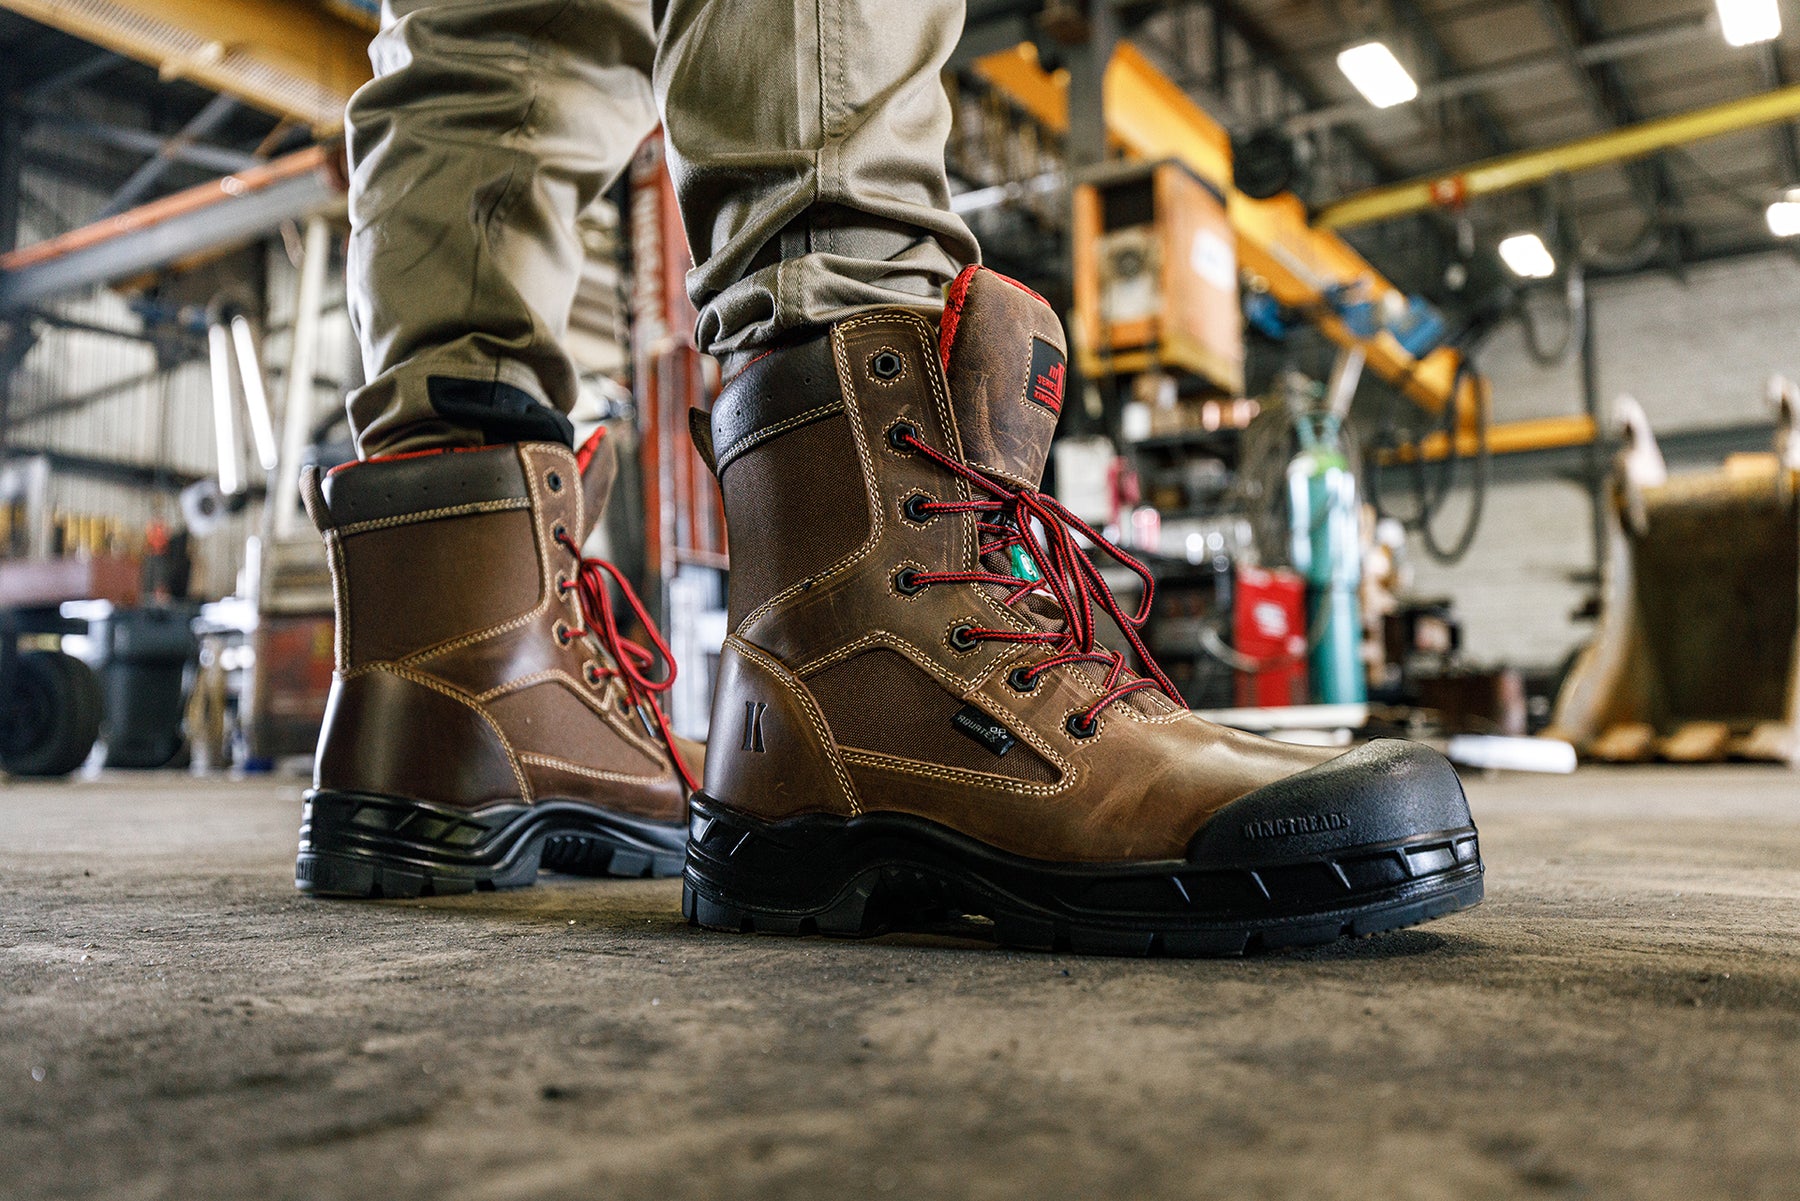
x: 293, y: 59
x: 1150, y: 118
x: 1534, y: 166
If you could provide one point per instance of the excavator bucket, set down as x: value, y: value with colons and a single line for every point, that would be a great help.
x: 1697, y: 656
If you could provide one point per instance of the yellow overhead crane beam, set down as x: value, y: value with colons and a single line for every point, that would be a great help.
x: 295, y: 60
x: 1535, y: 166
x: 1150, y: 118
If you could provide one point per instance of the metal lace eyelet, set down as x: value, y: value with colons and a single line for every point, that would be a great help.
x: 960, y: 637
x: 592, y: 672
x: 886, y: 365
x: 562, y: 632
x: 1022, y: 679
x: 906, y: 582
x: 554, y: 479
x: 913, y: 509
x: 1082, y: 729
x: 899, y: 432
x: 559, y: 531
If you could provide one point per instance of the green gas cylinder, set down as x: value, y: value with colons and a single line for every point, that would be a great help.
x: 1325, y: 543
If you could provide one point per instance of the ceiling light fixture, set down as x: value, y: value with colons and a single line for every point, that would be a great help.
x: 1374, y: 71
x: 1527, y: 256
x: 1746, y: 22
x: 1784, y: 215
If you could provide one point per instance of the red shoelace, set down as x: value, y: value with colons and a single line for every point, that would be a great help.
x: 1008, y: 518
x: 631, y: 663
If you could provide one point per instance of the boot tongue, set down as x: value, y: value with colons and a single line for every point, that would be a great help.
x: 599, y: 466
x: 1005, y: 362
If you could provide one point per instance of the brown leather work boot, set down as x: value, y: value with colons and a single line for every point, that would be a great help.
x: 487, y: 718
x: 916, y: 727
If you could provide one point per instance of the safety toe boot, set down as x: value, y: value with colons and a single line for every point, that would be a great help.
x: 918, y: 724
x: 487, y: 717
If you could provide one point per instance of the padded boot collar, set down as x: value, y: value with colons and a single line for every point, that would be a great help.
x: 407, y: 485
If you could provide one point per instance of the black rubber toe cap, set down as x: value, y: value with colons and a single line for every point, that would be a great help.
x: 1382, y: 792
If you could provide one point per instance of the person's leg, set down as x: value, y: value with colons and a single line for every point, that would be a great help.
x: 486, y: 717
x: 489, y: 126
x: 806, y: 141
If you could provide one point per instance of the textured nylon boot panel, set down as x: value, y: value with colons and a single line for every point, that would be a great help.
x: 412, y: 586
x: 880, y: 701
x: 793, y: 506
x: 549, y: 719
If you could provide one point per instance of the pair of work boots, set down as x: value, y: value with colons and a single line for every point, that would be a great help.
x: 916, y: 725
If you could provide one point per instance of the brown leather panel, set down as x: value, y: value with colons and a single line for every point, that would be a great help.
x: 386, y: 488
x: 1004, y: 429
x: 880, y: 701
x: 693, y: 754
x: 397, y: 737
x: 528, y: 650
x: 549, y: 718
x: 769, y: 753
x: 658, y: 798
x: 548, y: 464
x: 793, y: 506
x: 1140, y: 792
x: 597, y: 484
x: 411, y: 584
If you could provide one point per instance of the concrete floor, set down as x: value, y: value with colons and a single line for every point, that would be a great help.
x: 1620, y: 1019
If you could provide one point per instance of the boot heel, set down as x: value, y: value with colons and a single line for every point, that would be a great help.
x: 746, y: 876
x: 360, y: 845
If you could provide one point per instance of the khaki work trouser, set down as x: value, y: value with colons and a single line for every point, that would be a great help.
x: 805, y: 139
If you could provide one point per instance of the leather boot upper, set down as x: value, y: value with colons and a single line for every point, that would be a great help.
x: 846, y: 689
x: 467, y: 673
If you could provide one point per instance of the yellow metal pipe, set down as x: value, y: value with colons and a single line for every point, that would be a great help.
x: 1534, y: 166
x: 1505, y: 438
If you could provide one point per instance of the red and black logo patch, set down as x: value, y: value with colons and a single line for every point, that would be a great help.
x: 1048, y: 375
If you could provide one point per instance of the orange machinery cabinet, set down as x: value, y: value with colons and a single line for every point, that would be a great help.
x: 1156, y: 277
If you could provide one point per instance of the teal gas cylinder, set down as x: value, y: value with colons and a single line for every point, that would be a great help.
x: 1325, y: 542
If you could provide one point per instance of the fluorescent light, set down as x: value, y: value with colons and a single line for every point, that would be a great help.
x: 1746, y: 22
x: 1378, y: 75
x: 1528, y: 257
x: 1784, y: 215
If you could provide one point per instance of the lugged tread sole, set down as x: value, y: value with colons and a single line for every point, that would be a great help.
x: 361, y: 846
x: 896, y: 874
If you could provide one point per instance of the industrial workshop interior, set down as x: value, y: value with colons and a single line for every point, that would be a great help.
x: 963, y: 599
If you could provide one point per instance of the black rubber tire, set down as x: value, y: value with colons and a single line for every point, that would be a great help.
x: 361, y: 845
x: 53, y: 715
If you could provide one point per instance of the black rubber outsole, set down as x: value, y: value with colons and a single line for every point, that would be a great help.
x: 883, y: 874
x: 356, y: 845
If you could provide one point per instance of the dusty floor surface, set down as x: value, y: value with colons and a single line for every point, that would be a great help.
x: 1620, y: 1019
